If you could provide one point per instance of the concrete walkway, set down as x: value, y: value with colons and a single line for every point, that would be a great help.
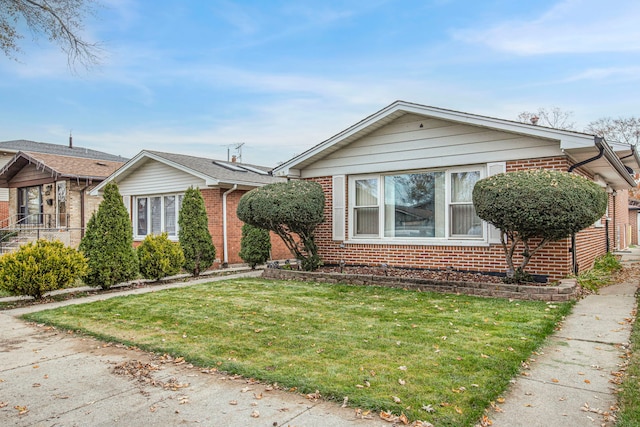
x: 54, y: 378
x: 571, y: 382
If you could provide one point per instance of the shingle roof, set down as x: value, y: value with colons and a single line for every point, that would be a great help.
x: 59, y: 166
x: 63, y: 150
x: 222, y: 171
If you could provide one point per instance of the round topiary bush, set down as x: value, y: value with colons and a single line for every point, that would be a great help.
x: 40, y: 267
x: 542, y: 204
x: 159, y: 257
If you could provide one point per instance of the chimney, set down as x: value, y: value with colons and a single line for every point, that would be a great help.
x: 233, y: 159
x: 70, y: 140
x: 534, y: 120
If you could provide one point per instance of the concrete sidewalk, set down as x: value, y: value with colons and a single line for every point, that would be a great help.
x: 49, y: 377
x: 571, y: 381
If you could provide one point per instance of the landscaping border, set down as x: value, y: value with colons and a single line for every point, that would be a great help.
x: 565, y: 290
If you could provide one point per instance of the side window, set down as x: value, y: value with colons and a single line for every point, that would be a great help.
x: 141, y: 221
x: 462, y: 214
x: 366, y: 210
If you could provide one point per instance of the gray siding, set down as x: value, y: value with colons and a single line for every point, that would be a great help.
x: 156, y: 178
x: 416, y: 142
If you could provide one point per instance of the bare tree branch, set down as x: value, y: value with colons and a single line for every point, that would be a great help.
x: 553, y: 117
x: 626, y: 130
x: 60, y: 21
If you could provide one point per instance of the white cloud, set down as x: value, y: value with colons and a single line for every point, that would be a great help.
x: 571, y: 26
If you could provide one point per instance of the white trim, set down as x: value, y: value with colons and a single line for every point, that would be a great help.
x: 134, y: 214
x: 339, y: 210
x: 380, y: 237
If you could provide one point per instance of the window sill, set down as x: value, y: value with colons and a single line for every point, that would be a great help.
x: 439, y: 242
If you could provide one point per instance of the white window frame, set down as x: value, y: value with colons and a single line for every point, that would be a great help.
x: 380, y: 237
x: 148, y: 197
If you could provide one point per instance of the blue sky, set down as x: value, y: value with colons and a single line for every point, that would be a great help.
x: 195, y: 77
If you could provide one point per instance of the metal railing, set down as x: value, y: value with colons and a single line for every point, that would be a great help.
x: 20, y: 229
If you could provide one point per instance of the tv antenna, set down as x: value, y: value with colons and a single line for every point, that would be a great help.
x: 238, y: 152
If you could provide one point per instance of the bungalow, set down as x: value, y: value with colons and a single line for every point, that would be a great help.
x: 8, y: 149
x: 152, y: 185
x: 398, y: 188
x: 47, y: 194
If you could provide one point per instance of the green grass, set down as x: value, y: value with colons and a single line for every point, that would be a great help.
x: 601, y: 274
x: 455, y: 353
x: 629, y: 396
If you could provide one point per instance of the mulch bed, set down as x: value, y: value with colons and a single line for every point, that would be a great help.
x: 436, y: 275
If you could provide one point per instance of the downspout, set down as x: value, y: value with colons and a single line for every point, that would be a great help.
x: 82, y: 222
x: 225, y: 245
x: 598, y: 142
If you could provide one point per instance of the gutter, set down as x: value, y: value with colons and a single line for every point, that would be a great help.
x: 225, y: 245
x: 599, y: 145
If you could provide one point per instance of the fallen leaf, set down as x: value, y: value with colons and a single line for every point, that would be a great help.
x: 401, y: 381
x: 500, y: 400
x: 587, y: 381
x: 255, y: 414
x: 257, y: 396
x: 396, y: 399
x: 403, y: 419
x: 21, y: 409
x: 233, y: 402
x: 428, y: 408
x: 555, y: 380
x: 345, y: 401
x: 3, y: 404
x: 402, y: 368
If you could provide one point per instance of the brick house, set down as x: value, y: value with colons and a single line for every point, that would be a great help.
x: 8, y: 149
x: 48, y: 193
x: 398, y: 188
x: 152, y: 185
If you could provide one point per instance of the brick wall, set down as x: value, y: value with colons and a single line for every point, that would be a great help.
x: 213, y: 205
x: 554, y: 261
x: 633, y: 219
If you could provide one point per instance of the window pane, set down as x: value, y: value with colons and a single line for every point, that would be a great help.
x: 156, y: 215
x: 366, y: 220
x: 414, y: 205
x: 464, y: 221
x: 462, y: 184
x: 170, y: 215
x: 367, y: 192
x: 142, y: 216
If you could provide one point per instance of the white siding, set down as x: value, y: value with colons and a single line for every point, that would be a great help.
x: 339, y: 204
x: 156, y: 178
x: 415, y: 142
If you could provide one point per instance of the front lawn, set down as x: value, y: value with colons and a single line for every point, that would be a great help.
x: 434, y: 357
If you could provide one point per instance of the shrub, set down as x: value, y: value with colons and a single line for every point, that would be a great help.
x: 159, y: 257
x: 289, y: 209
x: 108, y: 243
x: 537, y: 204
x: 40, y: 267
x: 255, y: 246
x: 195, y: 239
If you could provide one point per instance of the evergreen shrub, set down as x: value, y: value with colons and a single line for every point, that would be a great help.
x: 108, y: 243
x: 195, y: 239
x: 255, y: 246
x: 159, y: 257
x: 40, y: 267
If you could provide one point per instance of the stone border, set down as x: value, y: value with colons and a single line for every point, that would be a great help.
x: 566, y: 290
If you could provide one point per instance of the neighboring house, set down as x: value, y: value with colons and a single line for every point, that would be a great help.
x: 47, y: 193
x: 398, y: 187
x: 8, y: 149
x: 152, y: 185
